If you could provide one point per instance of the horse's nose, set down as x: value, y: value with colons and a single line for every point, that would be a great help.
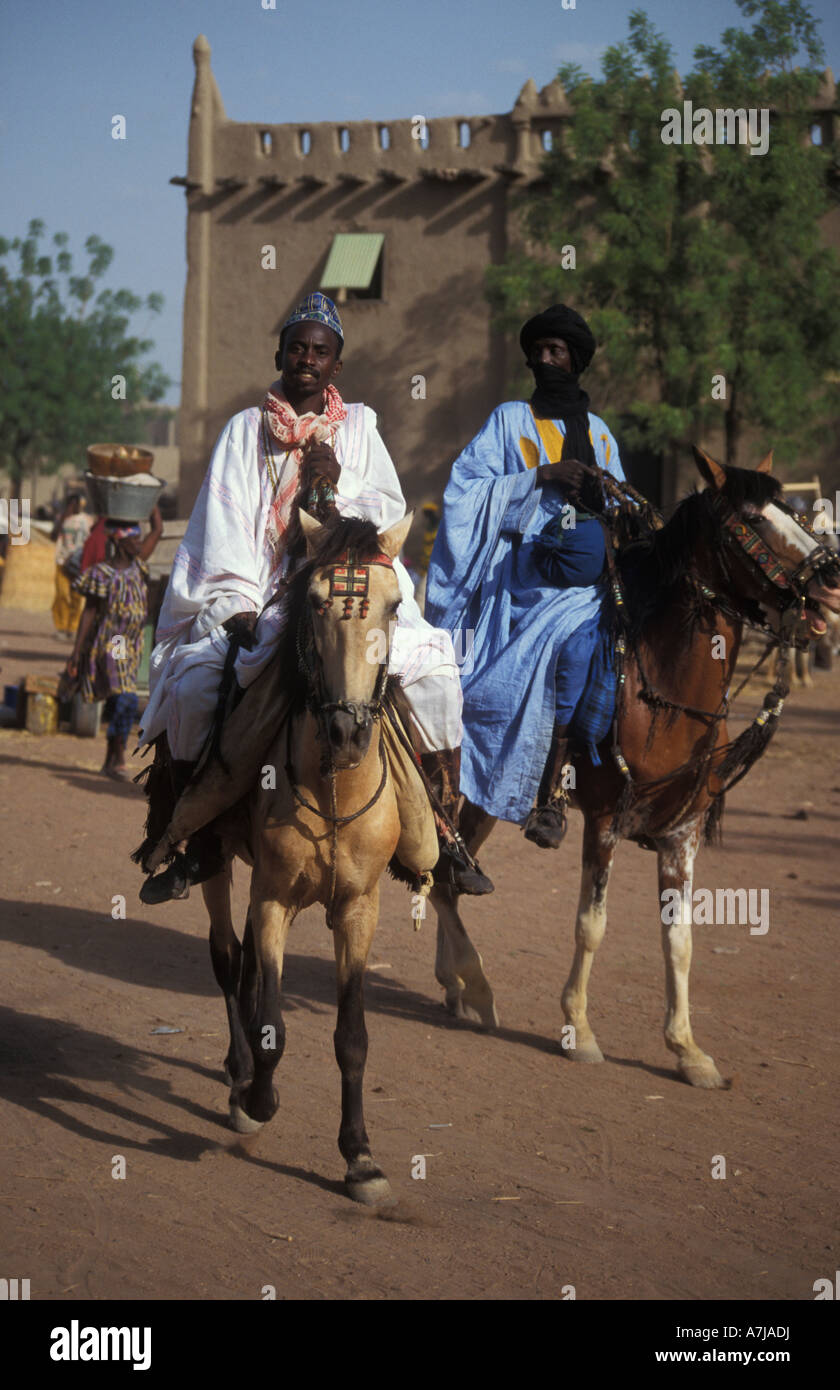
x: 349, y: 737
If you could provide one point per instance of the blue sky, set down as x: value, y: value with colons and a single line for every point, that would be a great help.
x: 68, y: 66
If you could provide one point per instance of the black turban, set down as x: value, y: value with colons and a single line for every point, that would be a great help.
x: 561, y: 322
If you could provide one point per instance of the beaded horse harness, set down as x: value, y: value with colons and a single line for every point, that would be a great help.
x: 791, y: 588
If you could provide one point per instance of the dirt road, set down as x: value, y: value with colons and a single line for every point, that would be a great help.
x: 540, y: 1174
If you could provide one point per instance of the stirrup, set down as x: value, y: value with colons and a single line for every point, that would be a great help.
x: 173, y: 882
x: 201, y: 860
x: 547, y: 825
x: 454, y: 870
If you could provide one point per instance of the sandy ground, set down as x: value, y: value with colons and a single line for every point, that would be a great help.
x: 540, y: 1174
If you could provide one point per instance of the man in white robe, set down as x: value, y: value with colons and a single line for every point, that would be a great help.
x: 240, y: 542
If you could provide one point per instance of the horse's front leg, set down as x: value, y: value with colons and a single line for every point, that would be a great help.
x: 354, y: 922
x: 579, y: 1041
x: 676, y: 856
x: 226, y: 955
x: 259, y: 995
x: 458, y: 965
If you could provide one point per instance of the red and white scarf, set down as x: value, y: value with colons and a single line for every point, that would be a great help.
x: 293, y: 432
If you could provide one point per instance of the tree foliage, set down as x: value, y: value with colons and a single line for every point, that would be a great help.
x: 61, y: 345
x: 693, y: 260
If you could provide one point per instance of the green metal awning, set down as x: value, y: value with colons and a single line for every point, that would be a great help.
x: 352, y: 260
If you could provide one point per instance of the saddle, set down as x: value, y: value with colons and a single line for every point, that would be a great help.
x: 247, y: 725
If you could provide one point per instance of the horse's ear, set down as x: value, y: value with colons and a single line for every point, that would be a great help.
x: 711, y: 471
x: 766, y: 465
x: 393, y: 539
x: 310, y: 528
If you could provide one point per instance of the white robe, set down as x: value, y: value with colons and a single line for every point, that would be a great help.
x: 227, y: 565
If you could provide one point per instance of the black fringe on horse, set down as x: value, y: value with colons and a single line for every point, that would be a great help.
x: 158, y: 783
x: 747, y: 748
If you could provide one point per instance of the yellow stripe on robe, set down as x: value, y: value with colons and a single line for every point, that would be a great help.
x: 552, y: 440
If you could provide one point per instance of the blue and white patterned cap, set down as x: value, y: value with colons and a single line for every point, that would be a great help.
x: 317, y: 308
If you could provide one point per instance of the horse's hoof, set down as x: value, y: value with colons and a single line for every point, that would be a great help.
x: 585, y: 1052
x: 368, y: 1185
x: 242, y: 1123
x: 262, y: 1102
x: 486, y: 1014
x: 704, y: 1075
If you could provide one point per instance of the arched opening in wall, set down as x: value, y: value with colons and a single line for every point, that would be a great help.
x: 547, y: 141
x: 816, y: 133
x: 266, y: 142
x: 344, y: 139
x: 384, y: 138
x: 305, y: 138
x: 464, y: 134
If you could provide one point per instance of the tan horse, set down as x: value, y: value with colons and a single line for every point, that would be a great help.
x: 287, y: 832
x: 729, y: 553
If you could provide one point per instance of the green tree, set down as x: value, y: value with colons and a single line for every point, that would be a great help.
x: 693, y: 261
x: 61, y: 346
x: 780, y: 341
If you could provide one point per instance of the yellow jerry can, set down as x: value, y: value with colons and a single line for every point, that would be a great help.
x: 41, y: 714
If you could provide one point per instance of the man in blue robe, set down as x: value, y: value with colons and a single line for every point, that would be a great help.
x: 516, y: 576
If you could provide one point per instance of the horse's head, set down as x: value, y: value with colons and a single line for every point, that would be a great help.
x: 351, y: 600
x: 770, y: 553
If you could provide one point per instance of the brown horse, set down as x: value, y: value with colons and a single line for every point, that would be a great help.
x: 314, y: 837
x: 730, y: 553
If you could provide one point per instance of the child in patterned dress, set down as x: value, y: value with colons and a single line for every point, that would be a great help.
x: 109, y: 641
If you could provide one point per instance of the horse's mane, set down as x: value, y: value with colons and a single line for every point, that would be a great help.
x: 651, y: 567
x: 341, y: 533
x: 338, y: 534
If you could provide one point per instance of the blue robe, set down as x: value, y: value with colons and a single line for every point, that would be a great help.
x: 525, y: 645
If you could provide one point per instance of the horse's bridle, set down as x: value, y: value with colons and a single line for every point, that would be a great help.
x: 788, y: 590
x: 349, y: 579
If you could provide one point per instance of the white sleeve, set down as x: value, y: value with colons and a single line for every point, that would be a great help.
x: 371, y: 488
x: 216, y: 570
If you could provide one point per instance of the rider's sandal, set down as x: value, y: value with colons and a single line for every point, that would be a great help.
x: 173, y: 882
x: 547, y: 825
x: 457, y: 870
x: 201, y: 860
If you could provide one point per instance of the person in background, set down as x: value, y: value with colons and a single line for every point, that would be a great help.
x: 70, y: 532
x: 431, y: 521
x: 109, y: 640
x: 95, y: 545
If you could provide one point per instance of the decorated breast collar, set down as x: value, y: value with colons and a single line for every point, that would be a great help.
x: 350, y: 580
